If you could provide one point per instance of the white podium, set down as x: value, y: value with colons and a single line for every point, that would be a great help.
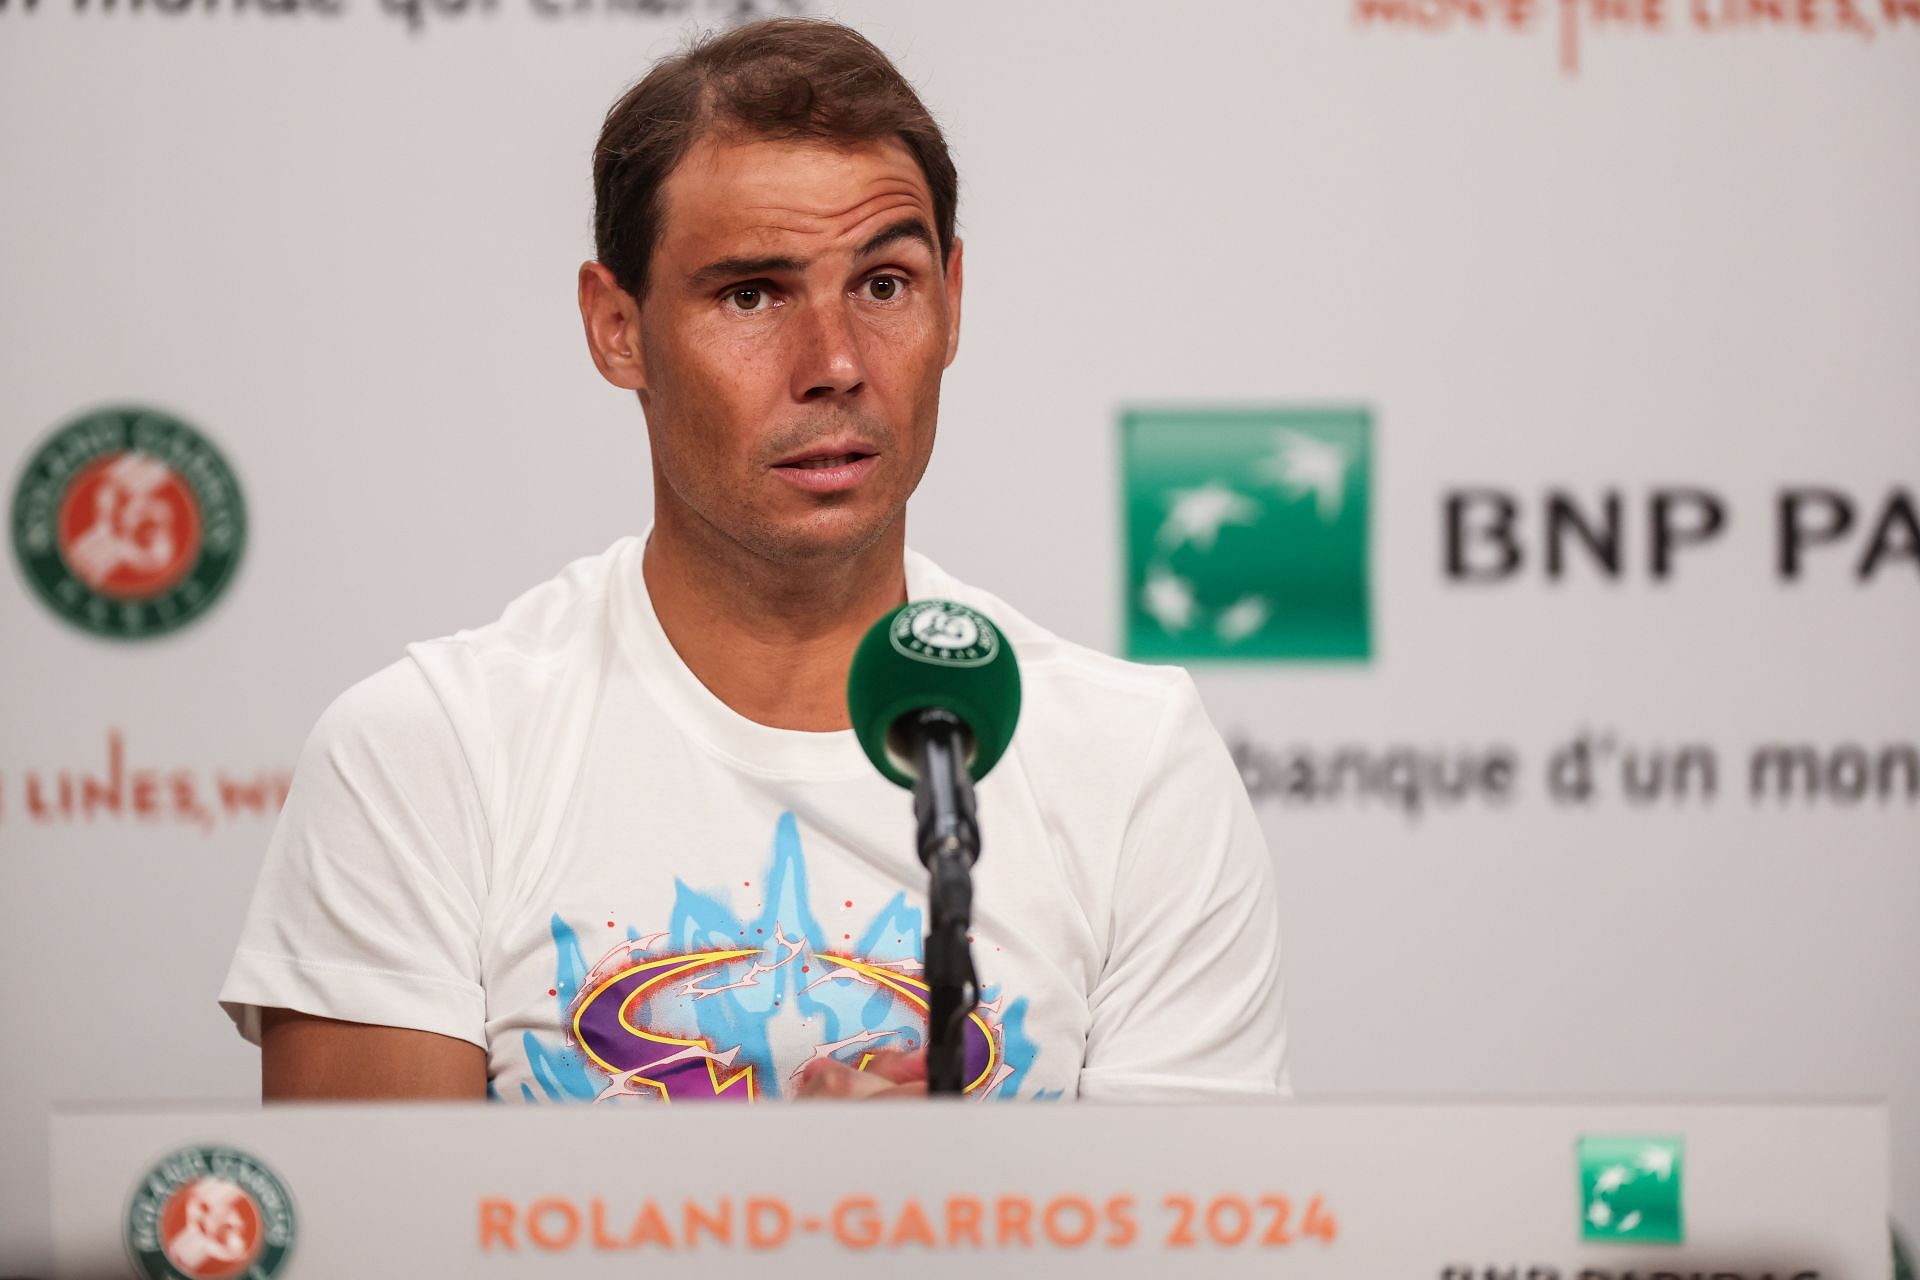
x: 1563, y: 1192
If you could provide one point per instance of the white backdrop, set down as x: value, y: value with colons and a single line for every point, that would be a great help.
x: 342, y: 247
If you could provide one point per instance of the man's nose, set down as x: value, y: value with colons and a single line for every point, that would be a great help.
x: 828, y: 360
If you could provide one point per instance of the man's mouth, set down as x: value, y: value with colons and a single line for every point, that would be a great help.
x: 826, y: 461
x: 830, y: 467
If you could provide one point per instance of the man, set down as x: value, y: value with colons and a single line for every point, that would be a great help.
x: 621, y: 844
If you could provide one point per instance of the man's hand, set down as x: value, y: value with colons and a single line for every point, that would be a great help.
x: 890, y: 1073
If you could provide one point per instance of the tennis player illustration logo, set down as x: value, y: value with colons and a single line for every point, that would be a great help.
x: 127, y: 522
x: 129, y: 525
x: 209, y: 1213
x: 210, y: 1229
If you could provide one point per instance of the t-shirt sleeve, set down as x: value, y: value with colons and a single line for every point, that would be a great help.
x: 1188, y: 1004
x: 368, y: 906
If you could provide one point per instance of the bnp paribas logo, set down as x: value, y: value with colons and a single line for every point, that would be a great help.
x: 1630, y: 1190
x: 1247, y: 533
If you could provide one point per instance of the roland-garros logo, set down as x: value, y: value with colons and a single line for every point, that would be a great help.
x: 945, y: 634
x: 209, y: 1213
x: 128, y: 523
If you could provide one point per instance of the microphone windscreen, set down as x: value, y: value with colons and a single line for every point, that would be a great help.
x: 933, y: 653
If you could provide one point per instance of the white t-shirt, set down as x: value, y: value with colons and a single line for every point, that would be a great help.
x: 548, y: 838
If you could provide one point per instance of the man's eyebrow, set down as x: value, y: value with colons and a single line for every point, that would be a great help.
x: 905, y: 229
x: 727, y: 269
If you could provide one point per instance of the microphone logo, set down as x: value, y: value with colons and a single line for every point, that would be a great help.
x: 942, y: 633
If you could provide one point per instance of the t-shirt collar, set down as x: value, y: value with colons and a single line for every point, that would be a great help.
x: 747, y: 744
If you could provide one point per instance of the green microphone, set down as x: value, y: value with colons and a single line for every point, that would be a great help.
x: 933, y: 655
x: 934, y: 694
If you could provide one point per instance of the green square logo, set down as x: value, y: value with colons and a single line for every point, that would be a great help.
x: 1247, y: 533
x: 1630, y: 1190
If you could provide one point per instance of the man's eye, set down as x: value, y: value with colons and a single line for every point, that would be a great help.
x: 748, y: 299
x: 885, y: 288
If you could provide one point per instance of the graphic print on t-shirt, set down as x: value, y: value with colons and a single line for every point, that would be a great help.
x: 720, y: 1006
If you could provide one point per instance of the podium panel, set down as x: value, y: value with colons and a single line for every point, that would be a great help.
x: 1562, y: 1192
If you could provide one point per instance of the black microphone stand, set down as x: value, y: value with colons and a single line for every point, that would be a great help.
x: 949, y: 844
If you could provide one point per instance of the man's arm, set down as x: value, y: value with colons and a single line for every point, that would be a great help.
x: 358, y: 969
x: 303, y: 1058
x: 1188, y: 1003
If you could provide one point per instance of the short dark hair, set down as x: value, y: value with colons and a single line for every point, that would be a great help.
x: 781, y: 78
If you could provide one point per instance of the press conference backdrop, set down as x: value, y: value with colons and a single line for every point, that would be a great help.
x: 1511, y: 411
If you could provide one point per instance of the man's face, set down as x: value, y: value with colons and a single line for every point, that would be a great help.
x: 796, y: 324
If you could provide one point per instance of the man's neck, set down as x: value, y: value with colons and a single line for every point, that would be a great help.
x: 773, y: 641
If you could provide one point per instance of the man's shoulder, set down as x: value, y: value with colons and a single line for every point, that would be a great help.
x: 546, y: 623
x: 1063, y: 679
x: 545, y: 636
x: 1099, y: 735
x: 472, y: 679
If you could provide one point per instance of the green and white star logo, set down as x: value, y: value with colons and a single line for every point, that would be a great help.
x: 1630, y: 1190
x: 1247, y: 533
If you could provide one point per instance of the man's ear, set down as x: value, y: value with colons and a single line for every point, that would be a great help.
x: 956, y: 278
x: 612, y: 321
